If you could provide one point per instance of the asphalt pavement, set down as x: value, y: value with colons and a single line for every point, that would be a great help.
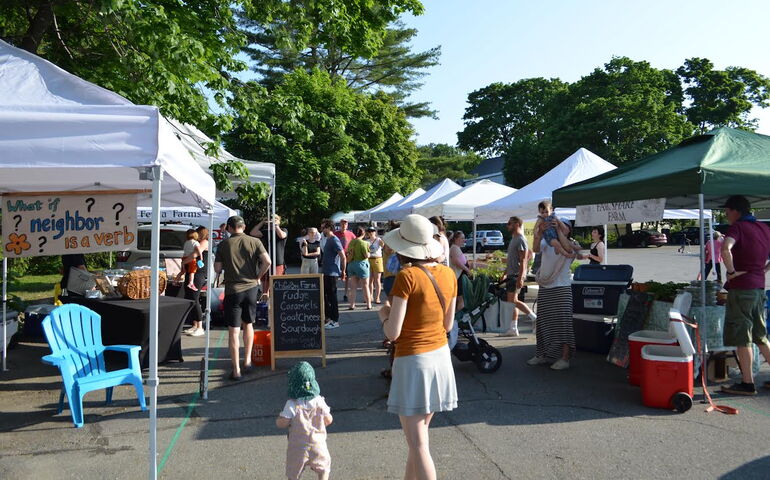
x: 520, y: 422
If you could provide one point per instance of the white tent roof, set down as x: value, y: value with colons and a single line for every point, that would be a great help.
x: 581, y: 165
x: 398, y: 212
x: 460, y: 204
x: 382, y: 215
x: 61, y: 133
x: 193, y: 140
x: 365, y: 215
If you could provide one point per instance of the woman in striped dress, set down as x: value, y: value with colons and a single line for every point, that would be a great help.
x: 554, y: 334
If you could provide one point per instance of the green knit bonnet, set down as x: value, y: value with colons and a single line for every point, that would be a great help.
x: 302, y: 383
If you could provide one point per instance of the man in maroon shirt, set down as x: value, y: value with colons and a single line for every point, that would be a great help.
x: 745, y: 253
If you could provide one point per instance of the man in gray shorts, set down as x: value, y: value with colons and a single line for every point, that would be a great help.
x: 745, y: 253
x: 244, y: 261
x: 515, y: 273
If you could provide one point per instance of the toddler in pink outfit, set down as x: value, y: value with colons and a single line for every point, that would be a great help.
x: 306, y: 415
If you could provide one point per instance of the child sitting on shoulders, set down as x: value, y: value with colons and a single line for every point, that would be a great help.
x: 550, y: 235
x: 306, y: 415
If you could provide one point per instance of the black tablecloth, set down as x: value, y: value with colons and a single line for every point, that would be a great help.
x: 127, y: 322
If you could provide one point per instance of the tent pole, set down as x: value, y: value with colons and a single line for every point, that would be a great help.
x: 272, y: 234
x: 5, y: 307
x: 209, y: 292
x: 606, y: 246
x: 152, y: 380
x: 474, y: 243
x: 702, y: 245
x: 711, y: 241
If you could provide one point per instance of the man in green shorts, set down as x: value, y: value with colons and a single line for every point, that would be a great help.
x: 745, y: 254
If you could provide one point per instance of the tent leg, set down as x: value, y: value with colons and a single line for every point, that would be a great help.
x: 474, y: 242
x: 209, y: 292
x: 702, y: 323
x: 272, y: 232
x: 606, y: 246
x: 5, y: 307
x: 152, y: 380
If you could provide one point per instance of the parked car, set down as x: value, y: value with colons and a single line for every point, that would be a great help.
x: 485, y: 240
x: 172, y: 238
x: 642, y: 238
x: 691, y: 233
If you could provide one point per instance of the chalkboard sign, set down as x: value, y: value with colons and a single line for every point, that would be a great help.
x: 297, y: 317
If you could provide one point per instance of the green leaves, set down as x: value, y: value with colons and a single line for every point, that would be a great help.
x: 621, y: 111
x: 337, y: 149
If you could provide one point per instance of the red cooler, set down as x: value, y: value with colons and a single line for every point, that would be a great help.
x: 636, y: 341
x: 667, y: 378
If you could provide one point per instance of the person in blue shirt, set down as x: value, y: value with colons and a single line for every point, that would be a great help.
x: 333, y: 265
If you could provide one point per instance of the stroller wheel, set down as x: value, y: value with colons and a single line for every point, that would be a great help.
x: 488, y: 359
x: 682, y: 402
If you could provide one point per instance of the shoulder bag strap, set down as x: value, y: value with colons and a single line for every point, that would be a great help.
x: 435, y: 285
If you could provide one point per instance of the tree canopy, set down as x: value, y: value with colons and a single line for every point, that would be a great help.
x: 622, y: 111
x: 339, y: 149
x: 439, y: 161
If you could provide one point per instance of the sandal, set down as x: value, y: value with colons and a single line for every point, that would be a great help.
x: 233, y: 377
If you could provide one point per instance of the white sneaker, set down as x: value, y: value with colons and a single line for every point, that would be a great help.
x: 538, y: 361
x: 560, y: 364
x: 198, y: 332
x: 512, y: 332
x: 331, y: 324
x: 532, y: 316
x: 190, y: 330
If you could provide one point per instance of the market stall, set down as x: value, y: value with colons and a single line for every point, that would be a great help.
x: 701, y: 172
x: 64, y: 137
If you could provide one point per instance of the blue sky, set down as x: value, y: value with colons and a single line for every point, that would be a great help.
x: 486, y: 41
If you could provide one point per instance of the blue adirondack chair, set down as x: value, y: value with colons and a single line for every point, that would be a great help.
x: 74, y: 333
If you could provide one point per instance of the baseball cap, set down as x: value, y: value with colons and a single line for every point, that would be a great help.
x: 737, y: 202
x: 371, y: 229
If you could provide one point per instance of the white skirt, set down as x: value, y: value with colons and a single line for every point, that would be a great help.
x: 423, y: 383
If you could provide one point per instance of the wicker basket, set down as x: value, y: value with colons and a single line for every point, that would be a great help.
x: 136, y: 285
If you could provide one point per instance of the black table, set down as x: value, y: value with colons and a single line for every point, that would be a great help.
x: 127, y: 322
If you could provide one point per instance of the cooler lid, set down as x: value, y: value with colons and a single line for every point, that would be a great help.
x: 678, y: 330
x: 604, y: 273
x: 652, y: 336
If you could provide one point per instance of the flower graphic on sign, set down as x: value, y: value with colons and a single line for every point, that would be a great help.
x: 17, y: 243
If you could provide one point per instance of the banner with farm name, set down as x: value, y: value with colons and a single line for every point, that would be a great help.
x: 61, y: 224
x: 620, y: 212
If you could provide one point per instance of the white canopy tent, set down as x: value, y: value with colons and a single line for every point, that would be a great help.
x: 398, y: 212
x: 59, y: 133
x: 460, y: 204
x: 382, y: 215
x: 365, y: 216
x: 579, y: 166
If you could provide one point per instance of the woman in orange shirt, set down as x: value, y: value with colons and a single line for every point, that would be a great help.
x: 421, y: 314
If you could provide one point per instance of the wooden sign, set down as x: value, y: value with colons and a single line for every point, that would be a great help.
x: 59, y: 223
x: 297, y: 317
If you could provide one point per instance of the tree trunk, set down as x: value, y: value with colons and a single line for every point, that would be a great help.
x: 37, y: 28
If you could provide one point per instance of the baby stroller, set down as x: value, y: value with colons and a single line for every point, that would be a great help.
x: 471, y: 348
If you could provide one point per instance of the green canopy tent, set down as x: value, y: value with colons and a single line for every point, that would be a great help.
x: 702, y: 171
x: 716, y: 165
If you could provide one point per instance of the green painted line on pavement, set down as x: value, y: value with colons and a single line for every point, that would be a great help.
x: 190, y: 407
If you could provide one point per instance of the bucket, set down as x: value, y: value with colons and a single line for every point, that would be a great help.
x: 636, y: 341
x: 667, y: 377
x: 260, y: 352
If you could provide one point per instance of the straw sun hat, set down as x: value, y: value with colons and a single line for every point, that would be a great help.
x: 414, y: 239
